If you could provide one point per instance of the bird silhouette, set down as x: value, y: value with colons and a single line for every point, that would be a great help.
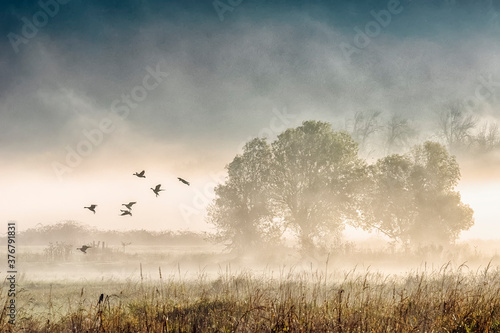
x: 157, y: 189
x: 129, y: 205
x: 140, y: 174
x: 101, y: 299
x: 91, y: 208
x: 125, y: 212
x: 183, y: 181
x: 84, y: 248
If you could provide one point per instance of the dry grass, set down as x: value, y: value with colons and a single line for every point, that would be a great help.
x: 443, y: 300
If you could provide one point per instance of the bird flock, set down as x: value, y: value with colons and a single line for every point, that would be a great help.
x: 128, y: 211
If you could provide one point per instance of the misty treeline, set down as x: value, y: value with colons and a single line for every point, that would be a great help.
x: 455, y: 126
x: 310, y: 183
x: 72, y: 233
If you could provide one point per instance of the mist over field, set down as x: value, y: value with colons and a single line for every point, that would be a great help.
x: 283, y: 144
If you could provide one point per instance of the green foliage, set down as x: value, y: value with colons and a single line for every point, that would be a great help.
x: 72, y: 232
x: 412, y: 197
x: 69, y: 231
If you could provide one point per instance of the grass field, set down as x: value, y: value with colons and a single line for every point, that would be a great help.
x: 308, y: 298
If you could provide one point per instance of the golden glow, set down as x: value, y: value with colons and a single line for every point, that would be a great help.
x: 484, y: 198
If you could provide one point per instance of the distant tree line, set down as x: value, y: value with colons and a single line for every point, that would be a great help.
x: 311, y: 182
x: 456, y: 127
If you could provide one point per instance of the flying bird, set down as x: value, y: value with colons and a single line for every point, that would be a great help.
x: 129, y: 205
x: 91, y: 208
x: 140, y: 174
x: 183, y: 181
x: 125, y: 212
x: 84, y: 248
x: 157, y: 189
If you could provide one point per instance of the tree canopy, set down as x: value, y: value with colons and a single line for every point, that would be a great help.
x: 310, y: 183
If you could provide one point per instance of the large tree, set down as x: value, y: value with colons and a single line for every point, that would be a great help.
x: 398, y: 133
x: 314, y: 176
x: 365, y: 125
x: 389, y: 205
x: 242, y: 212
x: 413, y: 197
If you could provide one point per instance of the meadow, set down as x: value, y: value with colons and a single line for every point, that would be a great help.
x: 177, y: 291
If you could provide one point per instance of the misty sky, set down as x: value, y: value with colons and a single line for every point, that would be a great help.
x: 176, y: 88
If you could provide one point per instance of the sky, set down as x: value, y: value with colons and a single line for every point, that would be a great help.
x: 93, y: 91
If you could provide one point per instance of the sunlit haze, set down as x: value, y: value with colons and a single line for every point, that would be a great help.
x: 205, y: 84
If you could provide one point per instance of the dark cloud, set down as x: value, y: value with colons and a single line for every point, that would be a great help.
x: 226, y: 77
